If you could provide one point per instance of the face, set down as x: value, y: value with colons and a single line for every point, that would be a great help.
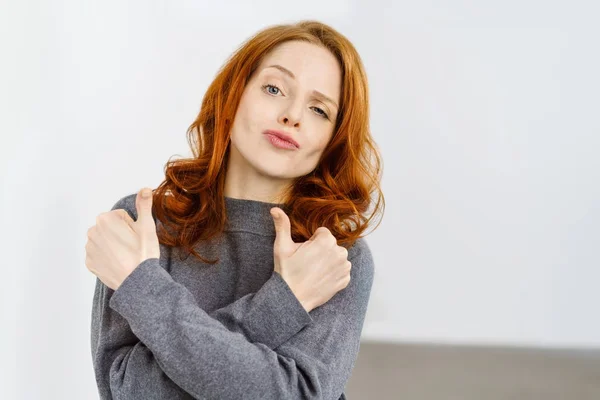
x: 295, y: 90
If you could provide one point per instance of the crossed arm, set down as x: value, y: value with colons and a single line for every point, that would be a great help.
x: 151, y: 340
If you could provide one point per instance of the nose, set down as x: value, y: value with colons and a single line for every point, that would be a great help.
x: 291, y: 116
x: 286, y: 121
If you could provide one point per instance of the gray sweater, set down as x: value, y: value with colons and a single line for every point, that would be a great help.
x: 233, y: 330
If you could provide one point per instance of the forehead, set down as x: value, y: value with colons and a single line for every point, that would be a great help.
x: 313, y: 66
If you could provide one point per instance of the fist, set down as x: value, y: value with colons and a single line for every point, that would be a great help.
x: 314, y: 270
x: 117, y: 244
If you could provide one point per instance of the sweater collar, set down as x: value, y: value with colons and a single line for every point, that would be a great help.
x: 250, y: 215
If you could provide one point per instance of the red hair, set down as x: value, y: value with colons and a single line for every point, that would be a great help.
x: 338, y: 194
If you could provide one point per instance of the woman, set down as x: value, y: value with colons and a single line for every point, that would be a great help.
x: 271, y: 206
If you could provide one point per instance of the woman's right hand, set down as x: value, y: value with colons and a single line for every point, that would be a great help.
x: 314, y: 270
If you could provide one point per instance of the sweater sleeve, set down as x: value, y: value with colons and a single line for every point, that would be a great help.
x: 270, y: 316
x: 207, y: 360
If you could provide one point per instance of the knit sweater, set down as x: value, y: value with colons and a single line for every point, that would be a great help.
x: 233, y: 330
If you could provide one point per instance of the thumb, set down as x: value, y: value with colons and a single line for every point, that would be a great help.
x: 283, y: 235
x: 143, y: 206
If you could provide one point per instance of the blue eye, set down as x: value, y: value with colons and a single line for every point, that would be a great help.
x: 264, y: 87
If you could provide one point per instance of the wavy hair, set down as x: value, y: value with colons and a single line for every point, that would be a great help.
x: 342, y: 193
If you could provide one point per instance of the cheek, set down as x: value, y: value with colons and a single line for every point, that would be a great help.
x: 257, y: 116
x: 317, y: 147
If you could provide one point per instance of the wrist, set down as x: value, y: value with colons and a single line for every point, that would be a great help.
x: 307, y: 306
x: 303, y: 300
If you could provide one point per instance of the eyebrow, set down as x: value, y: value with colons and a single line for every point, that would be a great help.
x: 316, y: 93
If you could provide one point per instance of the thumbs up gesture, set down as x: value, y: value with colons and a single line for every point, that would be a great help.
x: 314, y: 270
x: 117, y: 244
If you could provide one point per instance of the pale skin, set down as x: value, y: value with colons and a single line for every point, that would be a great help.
x: 315, y: 270
x: 257, y: 170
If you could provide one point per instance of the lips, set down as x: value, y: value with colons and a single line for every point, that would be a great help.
x: 283, y: 136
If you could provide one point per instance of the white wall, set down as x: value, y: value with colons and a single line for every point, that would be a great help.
x: 487, y: 116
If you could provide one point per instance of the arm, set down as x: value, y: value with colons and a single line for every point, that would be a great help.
x: 207, y: 360
x: 120, y: 359
x: 270, y: 316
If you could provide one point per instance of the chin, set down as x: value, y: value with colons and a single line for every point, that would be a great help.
x: 272, y: 170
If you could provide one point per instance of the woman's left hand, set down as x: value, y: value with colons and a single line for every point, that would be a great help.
x: 117, y: 244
